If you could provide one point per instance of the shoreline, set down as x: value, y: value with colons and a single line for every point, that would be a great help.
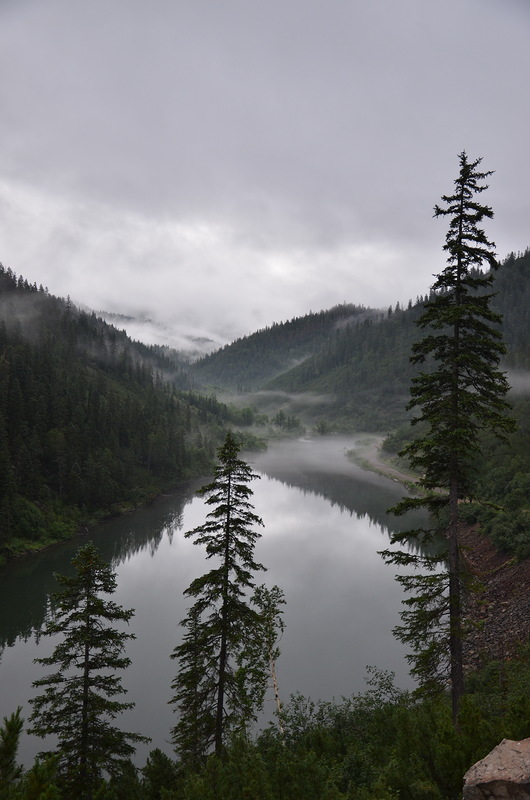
x: 367, y: 454
x: 499, y: 612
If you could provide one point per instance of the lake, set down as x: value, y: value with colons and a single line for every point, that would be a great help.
x: 324, y: 521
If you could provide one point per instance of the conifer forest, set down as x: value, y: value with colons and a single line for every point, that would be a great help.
x: 94, y: 425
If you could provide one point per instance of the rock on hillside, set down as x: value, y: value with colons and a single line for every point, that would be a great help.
x: 502, y: 606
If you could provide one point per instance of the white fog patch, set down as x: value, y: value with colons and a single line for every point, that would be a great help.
x: 198, y: 275
x: 519, y: 381
x: 308, y: 399
x: 193, y: 343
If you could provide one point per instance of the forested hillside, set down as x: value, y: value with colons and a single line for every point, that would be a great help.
x: 366, y: 365
x: 90, y: 422
x: 250, y: 361
x: 356, y: 360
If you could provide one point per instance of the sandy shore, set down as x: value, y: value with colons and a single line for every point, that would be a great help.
x: 368, y: 454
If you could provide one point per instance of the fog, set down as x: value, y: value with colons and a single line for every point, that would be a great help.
x: 322, y: 466
x: 221, y: 166
x: 519, y: 381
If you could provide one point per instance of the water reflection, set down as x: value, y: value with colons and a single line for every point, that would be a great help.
x: 317, y: 467
x: 25, y: 585
x: 321, y: 466
x: 325, y: 519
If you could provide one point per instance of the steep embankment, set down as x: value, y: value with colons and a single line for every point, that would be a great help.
x: 501, y: 607
x: 500, y: 610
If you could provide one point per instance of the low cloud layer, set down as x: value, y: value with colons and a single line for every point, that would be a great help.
x: 220, y: 167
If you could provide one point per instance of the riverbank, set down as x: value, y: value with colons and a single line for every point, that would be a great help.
x: 500, y: 610
x: 368, y: 454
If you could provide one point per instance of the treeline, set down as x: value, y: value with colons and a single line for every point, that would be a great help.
x: 382, y: 744
x: 501, y: 481
x: 512, y: 300
x: 501, y: 487
x: 366, y: 365
x: 249, y: 361
x: 90, y: 422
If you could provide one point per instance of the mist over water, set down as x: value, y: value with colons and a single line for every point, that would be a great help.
x: 325, y: 519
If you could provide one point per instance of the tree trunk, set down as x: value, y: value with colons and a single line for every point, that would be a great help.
x: 223, y: 655
x: 85, y: 780
x: 272, y: 665
x: 455, y: 604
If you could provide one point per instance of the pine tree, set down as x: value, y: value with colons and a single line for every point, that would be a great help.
x: 461, y: 393
x: 10, y: 771
x: 79, y: 698
x: 215, y: 691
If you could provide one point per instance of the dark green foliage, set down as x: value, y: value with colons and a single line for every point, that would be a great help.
x: 460, y: 393
x: 365, y: 365
x: 90, y: 422
x: 249, y: 362
x: 123, y: 785
x: 79, y: 702
x: 512, y: 301
x: 217, y: 690
x: 39, y: 782
x: 501, y: 485
x: 159, y: 772
x: 382, y: 744
x: 10, y: 771
x: 287, y: 422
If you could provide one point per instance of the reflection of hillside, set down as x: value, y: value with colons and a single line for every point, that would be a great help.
x: 322, y: 468
x: 27, y: 584
x: 359, y: 497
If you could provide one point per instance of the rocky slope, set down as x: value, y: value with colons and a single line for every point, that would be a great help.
x: 501, y: 607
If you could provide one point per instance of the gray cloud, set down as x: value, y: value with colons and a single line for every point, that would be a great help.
x: 231, y: 164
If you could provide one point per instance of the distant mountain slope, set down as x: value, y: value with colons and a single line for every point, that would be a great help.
x: 512, y: 300
x: 366, y: 369
x: 90, y: 421
x: 366, y: 364
x: 249, y: 362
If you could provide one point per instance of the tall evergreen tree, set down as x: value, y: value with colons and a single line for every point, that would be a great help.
x: 461, y: 393
x: 215, y: 691
x: 79, y: 702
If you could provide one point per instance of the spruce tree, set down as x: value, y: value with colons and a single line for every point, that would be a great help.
x: 460, y: 393
x: 216, y: 690
x: 79, y: 702
x: 10, y: 770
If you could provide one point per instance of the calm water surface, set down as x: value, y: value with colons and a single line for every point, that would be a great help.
x: 325, y: 519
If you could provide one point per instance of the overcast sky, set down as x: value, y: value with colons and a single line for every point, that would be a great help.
x: 223, y: 164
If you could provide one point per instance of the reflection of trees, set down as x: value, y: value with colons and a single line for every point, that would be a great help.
x: 364, y: 498
x: 26, y: 585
